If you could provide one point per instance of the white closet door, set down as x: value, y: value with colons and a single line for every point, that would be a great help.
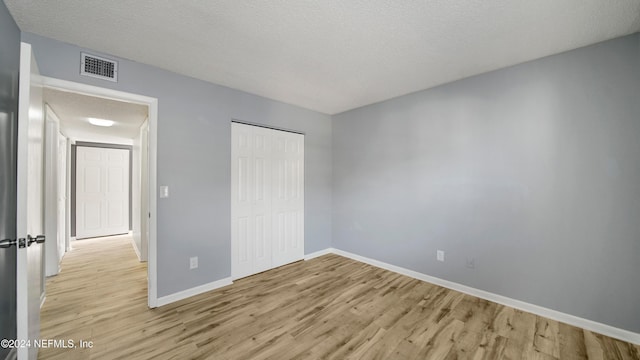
x: 102, y: 192
x: 261, y: 207
x: 252, y: 214
x: 241, y: 203
x: 288, y: 197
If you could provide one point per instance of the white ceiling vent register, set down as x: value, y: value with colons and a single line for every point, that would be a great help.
x: 98, y: 67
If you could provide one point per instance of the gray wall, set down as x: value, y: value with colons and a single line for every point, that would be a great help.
x: 533, y: 170
x: 194, y: 132
x: 9, y: 68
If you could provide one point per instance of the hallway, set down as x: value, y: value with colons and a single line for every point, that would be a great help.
x: 101, y: 291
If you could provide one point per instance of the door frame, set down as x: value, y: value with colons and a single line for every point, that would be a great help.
x: 152, y: 103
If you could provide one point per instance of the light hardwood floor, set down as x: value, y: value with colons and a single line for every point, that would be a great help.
x: 329, y: 307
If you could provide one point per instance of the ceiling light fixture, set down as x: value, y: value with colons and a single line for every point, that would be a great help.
x: 101, y: 122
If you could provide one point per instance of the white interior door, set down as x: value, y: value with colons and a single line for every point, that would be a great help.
x: 288, y: 197
x: 30, y: 205
x: 241, y: 203
x: 102, y: 191
x: 62, y: 195
x: 255, y: 209
x: 251, y: 209
x: 51, y: 192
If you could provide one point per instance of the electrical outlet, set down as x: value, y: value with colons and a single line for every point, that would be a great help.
x: 440, y: 255
x: 471, y: 263
x: 193, y: 263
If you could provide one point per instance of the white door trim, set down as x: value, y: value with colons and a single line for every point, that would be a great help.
x: 152, y: 103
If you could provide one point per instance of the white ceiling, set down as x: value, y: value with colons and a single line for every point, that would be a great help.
x: 74, y: 109
x: 329, y: 55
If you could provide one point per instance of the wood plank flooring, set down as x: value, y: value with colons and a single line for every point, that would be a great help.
x: 326, y: 308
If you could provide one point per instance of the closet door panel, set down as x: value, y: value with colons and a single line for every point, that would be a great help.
x: 261, y: 207
x: 288, y: 204
x: 242, y: 226
x: 267, y: 207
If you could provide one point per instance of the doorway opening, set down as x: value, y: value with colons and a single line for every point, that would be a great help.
x: 131, y: 209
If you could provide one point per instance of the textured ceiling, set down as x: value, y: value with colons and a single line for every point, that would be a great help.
x: 329, y: 55
x: 74, y: 109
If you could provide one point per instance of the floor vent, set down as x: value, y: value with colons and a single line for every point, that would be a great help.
x: 99, y: 67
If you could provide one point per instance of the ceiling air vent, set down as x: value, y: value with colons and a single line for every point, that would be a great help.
x: 99, y: 67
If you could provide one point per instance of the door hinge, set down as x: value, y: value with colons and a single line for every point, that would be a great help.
x: 22, y: 243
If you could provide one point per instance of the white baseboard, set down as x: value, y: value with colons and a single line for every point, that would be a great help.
x: 318, y: 253
x: 135, y: 248
x: 164, y: 300
x: 617, y: 333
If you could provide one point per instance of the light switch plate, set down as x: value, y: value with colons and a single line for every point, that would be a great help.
x: 164, y: 191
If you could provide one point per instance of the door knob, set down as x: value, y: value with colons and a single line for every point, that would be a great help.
x: 7, y: 243
x: 38, y: 239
